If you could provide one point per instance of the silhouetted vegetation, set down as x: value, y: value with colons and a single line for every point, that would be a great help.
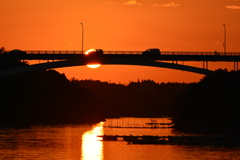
x: 48, y: 97
x: 140, y: 99
x: 211, y: 105
x: 44, y: 97
x: 7, y: 64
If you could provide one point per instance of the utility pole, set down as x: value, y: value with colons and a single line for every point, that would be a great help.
x: 225, y: 38
x: 82, y: 37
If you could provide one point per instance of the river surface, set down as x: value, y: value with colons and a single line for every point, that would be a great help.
x: 80, y: 142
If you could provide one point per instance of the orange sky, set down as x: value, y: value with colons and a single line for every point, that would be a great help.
x: 129, y: 25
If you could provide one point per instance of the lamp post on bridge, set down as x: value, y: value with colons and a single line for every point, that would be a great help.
x: 82, y: 37
x: 225, y: 38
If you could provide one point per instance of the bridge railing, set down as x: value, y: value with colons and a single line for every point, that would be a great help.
x: 122, y: 52
x: 54, y: 52
x: 140, y: 52
x: 200, y: 53
x: 80, y: 52
x: 178, y: 53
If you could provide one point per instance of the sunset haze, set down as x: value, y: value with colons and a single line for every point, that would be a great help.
x: 123, y: 25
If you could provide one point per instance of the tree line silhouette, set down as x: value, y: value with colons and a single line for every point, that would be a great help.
x: 44, y: 97
x: 144, y: 98
x: 209, y: 106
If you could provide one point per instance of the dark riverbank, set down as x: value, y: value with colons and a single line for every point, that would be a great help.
x: 209, y: 106
x: 44, y: 97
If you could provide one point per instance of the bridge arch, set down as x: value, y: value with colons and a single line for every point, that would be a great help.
x: 79, y: 62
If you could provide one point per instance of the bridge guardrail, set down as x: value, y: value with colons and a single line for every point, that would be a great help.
x: 140, y: 52
x: 54, y: 52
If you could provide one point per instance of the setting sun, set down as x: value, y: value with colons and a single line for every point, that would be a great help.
x: 92, y: 65
x: 88, y: 51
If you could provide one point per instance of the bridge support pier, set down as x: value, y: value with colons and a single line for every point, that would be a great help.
x: 205, y: 64
x: 173, y: 62
x: 235, y: 65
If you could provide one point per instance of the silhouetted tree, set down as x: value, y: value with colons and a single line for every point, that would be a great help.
x: 211, y: 105
x: 45, y: 97
x: 11, y: 63
x: 2, y: 50
x: 144, y: 98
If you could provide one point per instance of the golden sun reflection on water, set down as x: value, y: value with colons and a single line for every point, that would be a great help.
x: 92, y: 147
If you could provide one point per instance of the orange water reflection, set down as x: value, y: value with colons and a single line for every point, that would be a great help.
x: 92, y: 147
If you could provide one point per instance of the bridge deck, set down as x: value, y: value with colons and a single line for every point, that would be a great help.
x: 165, y: 56
x: 140, y: 52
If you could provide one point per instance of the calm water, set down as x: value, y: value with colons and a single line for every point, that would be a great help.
x: 80, y: 142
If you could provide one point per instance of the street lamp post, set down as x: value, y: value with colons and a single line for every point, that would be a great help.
x: 82, y: 37
x: 225, y: 37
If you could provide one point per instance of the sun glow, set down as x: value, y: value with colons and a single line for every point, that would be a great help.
x: 92, y: 65
x: 88, y: 51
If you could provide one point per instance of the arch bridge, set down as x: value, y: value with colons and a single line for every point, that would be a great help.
x: 167, y: 59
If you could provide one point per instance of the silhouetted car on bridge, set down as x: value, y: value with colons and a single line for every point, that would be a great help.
x: 152, y: 51
x: 99, y: 51
x: 96, y: 52
x: 94, y: 56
